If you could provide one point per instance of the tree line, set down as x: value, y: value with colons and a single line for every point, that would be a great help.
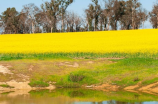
x: 53, y: 17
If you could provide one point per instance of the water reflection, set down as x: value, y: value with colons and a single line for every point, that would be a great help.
x: 76, y: 96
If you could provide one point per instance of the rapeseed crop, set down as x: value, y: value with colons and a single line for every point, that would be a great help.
x: 128, y: 41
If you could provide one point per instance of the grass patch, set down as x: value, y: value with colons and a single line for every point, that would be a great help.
x: 147, y: 82
x: 76, y: 77
x: 62, y: 55
x: 39, y: 83
x: 122, y: 72
x: 6, y: 86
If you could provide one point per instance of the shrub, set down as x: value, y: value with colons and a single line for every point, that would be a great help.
x: 136, y: 79
x: 76, y: 77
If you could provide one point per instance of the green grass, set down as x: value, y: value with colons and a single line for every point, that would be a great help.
x: 124, y: 73
x: 53, y: 67
x: 39, y: 83
x: 6, y: 86
x: 42, y: 56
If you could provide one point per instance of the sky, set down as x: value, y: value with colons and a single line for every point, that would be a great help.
x: 78, y: 6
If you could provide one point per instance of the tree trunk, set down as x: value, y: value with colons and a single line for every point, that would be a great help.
x: 108, y: 23
x: 116, y: 25
x: 62, y: 23
x: 101, y: 26
x: 132, y: 18
x: 32, y: 28
x: 51, y: 29
x: 157, y: 20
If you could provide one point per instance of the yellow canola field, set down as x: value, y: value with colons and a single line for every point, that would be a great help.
x: 128, y: 41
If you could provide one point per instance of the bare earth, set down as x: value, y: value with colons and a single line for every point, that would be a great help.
x: 22, y: 87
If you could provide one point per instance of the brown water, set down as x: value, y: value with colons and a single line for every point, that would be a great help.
x: 76, y: 96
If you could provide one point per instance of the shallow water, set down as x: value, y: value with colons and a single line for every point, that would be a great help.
x: 76, y: 96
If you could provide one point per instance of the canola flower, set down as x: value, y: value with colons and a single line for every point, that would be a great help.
x: 127, y: 41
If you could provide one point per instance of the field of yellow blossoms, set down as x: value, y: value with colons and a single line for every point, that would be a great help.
x: 128, y: 41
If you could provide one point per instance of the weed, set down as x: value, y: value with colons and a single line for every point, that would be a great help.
x: 76, y: 77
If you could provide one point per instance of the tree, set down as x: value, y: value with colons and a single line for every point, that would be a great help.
x: 118, y: 12
x: 109, y: 12
x: 22, y: 25
x: 141, y: 17
x: 134, y: 6
x: 51, y: 11
x: 73, y: 22
x: 9, y: 18
x: 78, y: 22
x: 30, y: 10
x: 154, y: 16
x: 96, y: 13
x: 89, y: 16
x: 130, y: 18
x: 1, y: 24
x: 70, y: 16
x: 63, y: 6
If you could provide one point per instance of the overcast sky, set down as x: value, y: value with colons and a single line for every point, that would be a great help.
x: 78, y: 6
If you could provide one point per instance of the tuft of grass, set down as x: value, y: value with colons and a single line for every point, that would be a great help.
x: 39, y: 83
x: 76, y: 77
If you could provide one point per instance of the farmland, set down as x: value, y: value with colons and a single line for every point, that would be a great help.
x: 123, y: 58
x: 132, y: 41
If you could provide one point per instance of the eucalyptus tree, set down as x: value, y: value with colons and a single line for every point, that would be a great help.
x: 70, y: 17
x: 129, y: 19
x: 30, y: 10
x: 62, y: 8
x: 78, y: 22
x: 133, y: 7
x: 96, y: 13
x: 10, y: 21
x: 154, y: 16
x: 89, y: 16
x: 102, y: 21
x: 23, y: 27
x: 51, y: 11
x: 141, y: 17
x: 118, y: 12
x: 109, y: 12
x: 1, y: 25
x: 73, y: 22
